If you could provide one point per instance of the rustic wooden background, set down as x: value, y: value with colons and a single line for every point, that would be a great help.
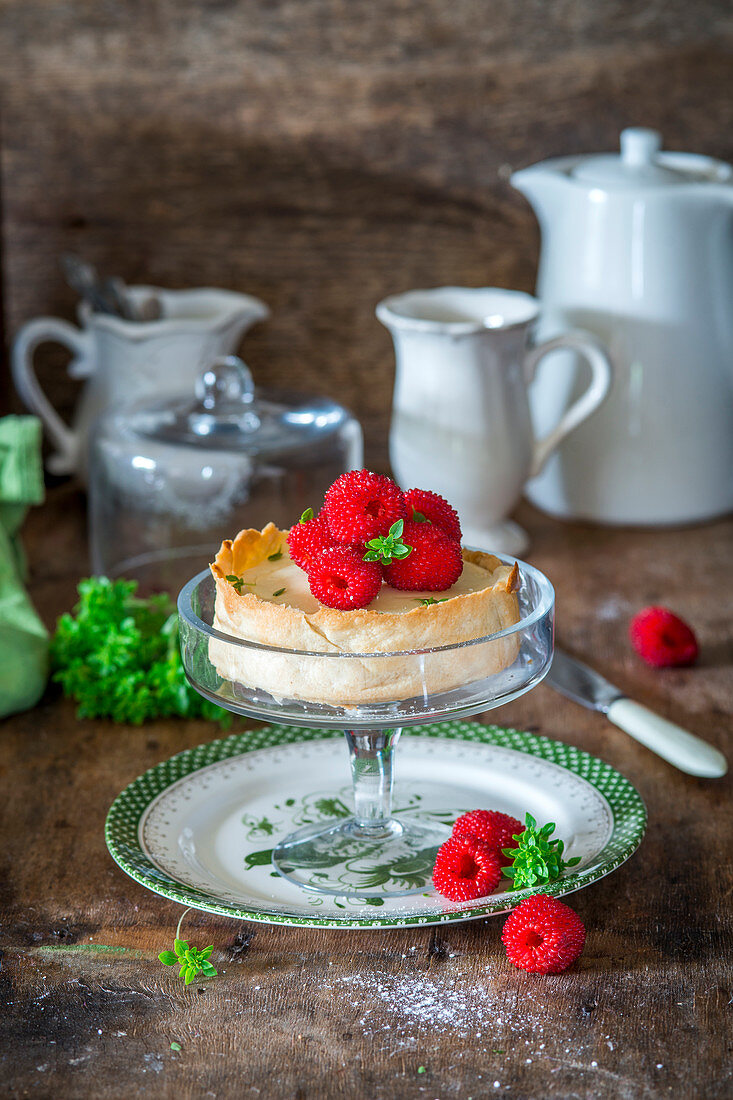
x: 322, y: 154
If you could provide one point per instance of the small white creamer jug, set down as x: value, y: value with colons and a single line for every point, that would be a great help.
x: 124, y: 360
x: 461, y: 423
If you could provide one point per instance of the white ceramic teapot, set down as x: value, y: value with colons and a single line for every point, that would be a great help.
x: 638, y: 249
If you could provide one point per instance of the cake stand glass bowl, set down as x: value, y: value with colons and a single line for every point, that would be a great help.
x: 446, y: 682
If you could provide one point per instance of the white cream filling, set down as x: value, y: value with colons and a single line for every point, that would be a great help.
x: 284, y: 582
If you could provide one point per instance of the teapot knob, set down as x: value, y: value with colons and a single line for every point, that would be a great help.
x: 227, y: 381
x: 640, y: 146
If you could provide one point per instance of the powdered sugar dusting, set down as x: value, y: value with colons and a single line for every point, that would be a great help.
x: 495, y: 1012
x: 439, y: 1003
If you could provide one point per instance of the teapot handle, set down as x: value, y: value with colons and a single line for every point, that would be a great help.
x: 31, y: 335
x: 601, y: 375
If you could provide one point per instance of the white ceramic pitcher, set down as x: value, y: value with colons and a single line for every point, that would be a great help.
x: 123, y: 360
x: 461, y: 424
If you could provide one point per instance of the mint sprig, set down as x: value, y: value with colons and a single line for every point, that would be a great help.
x: 306, y: 516
x: 191, y: 959
x: 387, y: 548
x: 536, y: 858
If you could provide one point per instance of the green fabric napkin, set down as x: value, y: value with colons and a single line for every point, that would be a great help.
x: 23, y: 637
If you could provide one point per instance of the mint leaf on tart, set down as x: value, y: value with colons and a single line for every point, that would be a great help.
x: 307, y: 514
x: 536, y: 858
x: 430, y: 600
x: 276, y: 556
x: 387, y: 548
x: 238, y: 583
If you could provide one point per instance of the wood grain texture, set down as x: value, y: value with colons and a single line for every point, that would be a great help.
x: 88, y: 1011
x: 323, y: 154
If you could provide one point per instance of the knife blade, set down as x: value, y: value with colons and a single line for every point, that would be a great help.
x: 677, y: 746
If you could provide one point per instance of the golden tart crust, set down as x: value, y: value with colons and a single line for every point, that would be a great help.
x: 365, y: 631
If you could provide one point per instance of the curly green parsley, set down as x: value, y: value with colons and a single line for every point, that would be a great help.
x: 119, y: 657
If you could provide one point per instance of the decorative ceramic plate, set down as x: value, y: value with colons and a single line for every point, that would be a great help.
x: 199, y: 828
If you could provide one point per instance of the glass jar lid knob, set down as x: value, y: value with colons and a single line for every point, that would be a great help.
x: 228, y: 381
x: 226, y: 395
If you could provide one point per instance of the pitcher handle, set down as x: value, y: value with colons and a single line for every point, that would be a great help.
x: 36, y: 332
x: 602, y: 373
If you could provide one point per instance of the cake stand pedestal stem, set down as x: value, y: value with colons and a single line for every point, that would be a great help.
x: 371, y: 753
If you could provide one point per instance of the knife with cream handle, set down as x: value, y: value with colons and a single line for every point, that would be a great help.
x: 688, y: 753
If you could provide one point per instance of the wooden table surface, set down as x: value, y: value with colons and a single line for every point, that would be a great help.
x: 89, y: 1011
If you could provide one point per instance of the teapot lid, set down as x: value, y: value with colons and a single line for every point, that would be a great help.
x: 229, y: 414
x: 642, y: 164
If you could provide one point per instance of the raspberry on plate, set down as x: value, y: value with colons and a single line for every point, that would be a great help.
x: 339, y: 578
x: 308, y: 539
x: 662, y: 638
x: 465, y: 869
x: 543, y: 935
x: 436, y: 509
x: 361, y: 505
x: 495, y: 829
x: 434, y: 564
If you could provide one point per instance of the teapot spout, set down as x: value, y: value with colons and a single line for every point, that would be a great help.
x: 543, y: 186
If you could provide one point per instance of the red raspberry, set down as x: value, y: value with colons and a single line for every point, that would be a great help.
x: 465, y: 869
x: 436, y: 509
x: 307, y: 541
x: 434, y: 564
x: 495, y: 829
x: 662, y: 639
x: 339, y: 578
x: 543, y: 936
x: 361, y: 505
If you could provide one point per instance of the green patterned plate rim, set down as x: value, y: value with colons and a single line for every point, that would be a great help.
x: 122, y: 825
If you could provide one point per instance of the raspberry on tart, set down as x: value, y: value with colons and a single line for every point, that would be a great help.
x: 361, y: 505
x: 308, y: 539
x: 465, y: 868
x: 493, y: 828
x: 543, y: 935
x: 339, y: 578
x: 435, y: 509
x: 434, y: 564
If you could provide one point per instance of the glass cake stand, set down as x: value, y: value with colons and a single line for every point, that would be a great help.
x: 446, y: 682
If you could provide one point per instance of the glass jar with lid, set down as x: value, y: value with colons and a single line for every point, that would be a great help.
x: 170, y: 479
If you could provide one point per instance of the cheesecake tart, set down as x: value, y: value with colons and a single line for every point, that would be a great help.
x: 263, y: 596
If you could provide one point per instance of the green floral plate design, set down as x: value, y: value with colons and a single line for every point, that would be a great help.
x: 199, y: 828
